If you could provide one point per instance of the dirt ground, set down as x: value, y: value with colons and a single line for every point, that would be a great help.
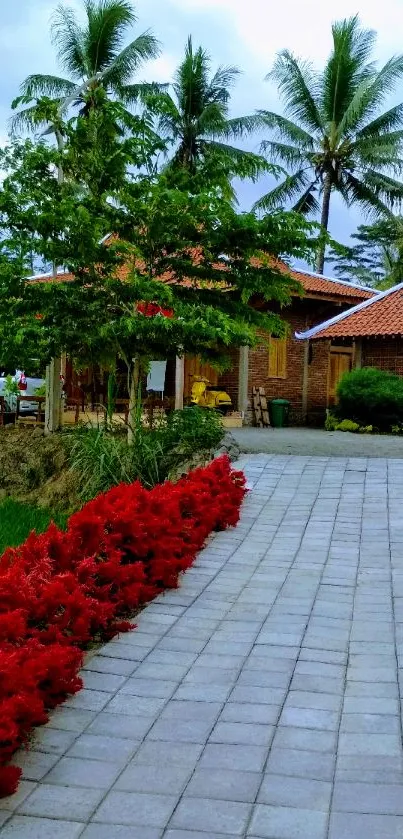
x: 34, y: 468
x: 316, y: 442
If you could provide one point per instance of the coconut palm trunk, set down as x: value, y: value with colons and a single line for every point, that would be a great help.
x: 324, y: 221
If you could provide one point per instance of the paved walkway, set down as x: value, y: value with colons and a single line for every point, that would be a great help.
x: 316, y: 442
x: 260, y: 696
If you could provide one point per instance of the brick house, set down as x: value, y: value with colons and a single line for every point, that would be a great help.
x: 368, y: 335
x: 297, y: 370
x: 290, y: 368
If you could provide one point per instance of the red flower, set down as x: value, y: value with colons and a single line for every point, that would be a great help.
x: 59, y: 590
x: 150, y: 310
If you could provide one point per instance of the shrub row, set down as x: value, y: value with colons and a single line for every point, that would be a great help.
x: 62, y: 588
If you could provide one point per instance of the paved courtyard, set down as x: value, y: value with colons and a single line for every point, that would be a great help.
x: 261, y: 699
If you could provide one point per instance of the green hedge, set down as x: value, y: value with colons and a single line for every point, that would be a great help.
x: 371, y: 397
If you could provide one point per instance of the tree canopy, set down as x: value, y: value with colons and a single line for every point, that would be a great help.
x: 335, y: 135
x: 93, y: 55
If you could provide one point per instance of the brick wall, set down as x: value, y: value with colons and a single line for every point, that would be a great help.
x: 318, y: 382
x: 384, y: 353
x: 300, y: 316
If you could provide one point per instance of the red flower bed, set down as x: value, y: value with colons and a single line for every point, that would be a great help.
x: 61, y: 589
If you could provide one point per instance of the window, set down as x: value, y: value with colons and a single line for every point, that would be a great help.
x: 277, y: 358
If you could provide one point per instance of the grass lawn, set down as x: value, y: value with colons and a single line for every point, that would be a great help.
x: 18, y: 519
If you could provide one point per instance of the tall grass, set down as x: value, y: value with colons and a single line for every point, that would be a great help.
x: 18, y: 519
x: 102, y: 459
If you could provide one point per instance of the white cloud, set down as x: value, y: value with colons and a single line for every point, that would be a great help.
x: 159, y: 70
x: 302, y: 26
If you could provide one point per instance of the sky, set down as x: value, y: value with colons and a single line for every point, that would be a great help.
x: 247, y: 33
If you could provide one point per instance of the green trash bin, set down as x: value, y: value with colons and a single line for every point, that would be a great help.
x: 279, y: 412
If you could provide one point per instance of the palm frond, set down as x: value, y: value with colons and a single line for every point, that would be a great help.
x: 380, y: 151
x: 242, y: 126
x: 387, y: 189
x: 287, y: 154
x: 121, y: 69
x: 346, y: 68
x: 244, y: 164
x: 142, y: 92
x: 219, y: 88
x: 191, y: 81
x: 68, y: 37
x: 374, y: 94
x: 300, y: 88
x: 107, y: 21
x: 388, y: 121
x: 38, y: 85
x: 285, y: 128
x: 308, y: 204
x: 290, y: 188
x: 356, y: 191
x: 26, y: 120
x: 211, y: 122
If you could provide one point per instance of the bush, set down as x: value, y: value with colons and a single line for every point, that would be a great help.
x: 371, y: 397
x: 102, y: 459
x: 194, y: 429
x: 61, y: 589
x: 348, y: 425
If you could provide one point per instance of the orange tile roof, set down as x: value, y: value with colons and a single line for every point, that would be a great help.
x: 382, y: 315
x: 319, y: 285
x: 313, y: 284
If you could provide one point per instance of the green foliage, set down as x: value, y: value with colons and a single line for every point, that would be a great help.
x: 102, y: 459
x: 376, y: 258
x: 333, y: 423
x: 195, y: 122
x: 11, y: 387
x: 17, y: 520
x: 371, y: 396
x: 335, y: 136
x: 348, y: 425
x: 95, y: 55
x: 193, y: 429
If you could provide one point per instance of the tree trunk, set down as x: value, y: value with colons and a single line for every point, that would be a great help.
x: 60, y: 147
x: 53, y: 403
x: 327, y: 191
x: 133, y: 399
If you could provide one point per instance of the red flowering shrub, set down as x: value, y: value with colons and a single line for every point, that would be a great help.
x: 60, y: 589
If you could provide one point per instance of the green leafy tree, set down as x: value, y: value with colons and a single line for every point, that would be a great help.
x: 186, y: 253
x: 376, y: 257
x: 193, y: 117
x: 335, y: 136
x: 93, y: 56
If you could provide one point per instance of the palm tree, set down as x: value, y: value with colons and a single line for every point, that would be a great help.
x: 93, y: 56
x: 376, y: 257
x: 341, y: 140
x: 195, y: 120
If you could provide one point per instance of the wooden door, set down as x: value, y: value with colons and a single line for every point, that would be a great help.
x: 194, y: 366
x: 340, y: 362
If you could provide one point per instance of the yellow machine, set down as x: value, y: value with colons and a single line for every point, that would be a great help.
x: 207, y: 396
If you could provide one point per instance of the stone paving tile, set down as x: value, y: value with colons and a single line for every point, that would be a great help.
x: 287, y: 823
x: 207, y: 814
x: 25, y: 827
x: 135, y: 808
x: 256, y: 697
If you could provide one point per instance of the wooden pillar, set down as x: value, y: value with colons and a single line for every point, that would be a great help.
x: 53, y: 403
x: 243, y: 380
x: 305, y: 382
x: 179, y: 382
x: 357, y: 353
